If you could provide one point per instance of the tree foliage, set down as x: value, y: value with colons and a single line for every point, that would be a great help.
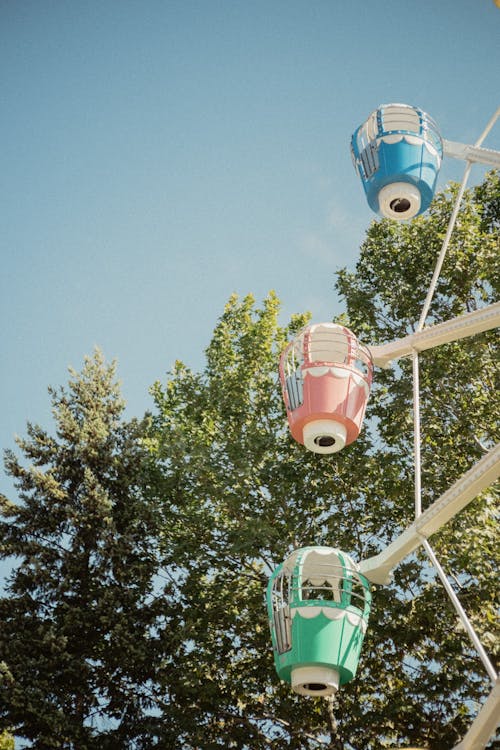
x: 6, y: 741
x: 239, y: 495
x: 135, y: 617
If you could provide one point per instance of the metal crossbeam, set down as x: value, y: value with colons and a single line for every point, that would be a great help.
x: 473, y: 154
x: 378, y: 568
x: 441, y: 333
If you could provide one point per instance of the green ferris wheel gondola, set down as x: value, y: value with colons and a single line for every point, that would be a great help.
x: 318, y: 605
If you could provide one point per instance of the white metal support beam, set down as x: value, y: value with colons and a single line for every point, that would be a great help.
x: 473, y: 154
x: 484, y: 724
x: 462, y: 615
x: 378, y: 568
x: 442, y: 333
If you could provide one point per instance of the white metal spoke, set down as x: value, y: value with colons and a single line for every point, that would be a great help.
x: 453, y: 219
x: 416, y: 437
x: 461, y: 613
x: 444, y: 248
x: 460, y: 327
x: 494, y: 117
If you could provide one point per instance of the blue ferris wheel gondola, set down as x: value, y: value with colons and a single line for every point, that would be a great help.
x: 397, y: 153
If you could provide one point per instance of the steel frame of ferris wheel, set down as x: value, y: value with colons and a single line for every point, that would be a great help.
x: 377, y: 569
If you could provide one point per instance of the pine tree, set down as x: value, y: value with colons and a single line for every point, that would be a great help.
x: 80, y: 622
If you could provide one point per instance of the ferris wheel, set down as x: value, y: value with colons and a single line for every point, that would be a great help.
x: 319, y: 598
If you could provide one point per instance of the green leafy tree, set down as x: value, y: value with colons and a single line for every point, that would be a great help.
x: 81, y: 625
x: 6, y: 741
x: 238, y: 495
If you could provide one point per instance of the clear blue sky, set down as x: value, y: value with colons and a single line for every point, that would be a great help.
x: 158, y: 156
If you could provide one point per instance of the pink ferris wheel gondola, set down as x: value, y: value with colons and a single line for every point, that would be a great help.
x: 325, y: 376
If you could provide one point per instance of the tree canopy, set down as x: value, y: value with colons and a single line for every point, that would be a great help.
x: 239, y: 495
x: 135, y: 615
